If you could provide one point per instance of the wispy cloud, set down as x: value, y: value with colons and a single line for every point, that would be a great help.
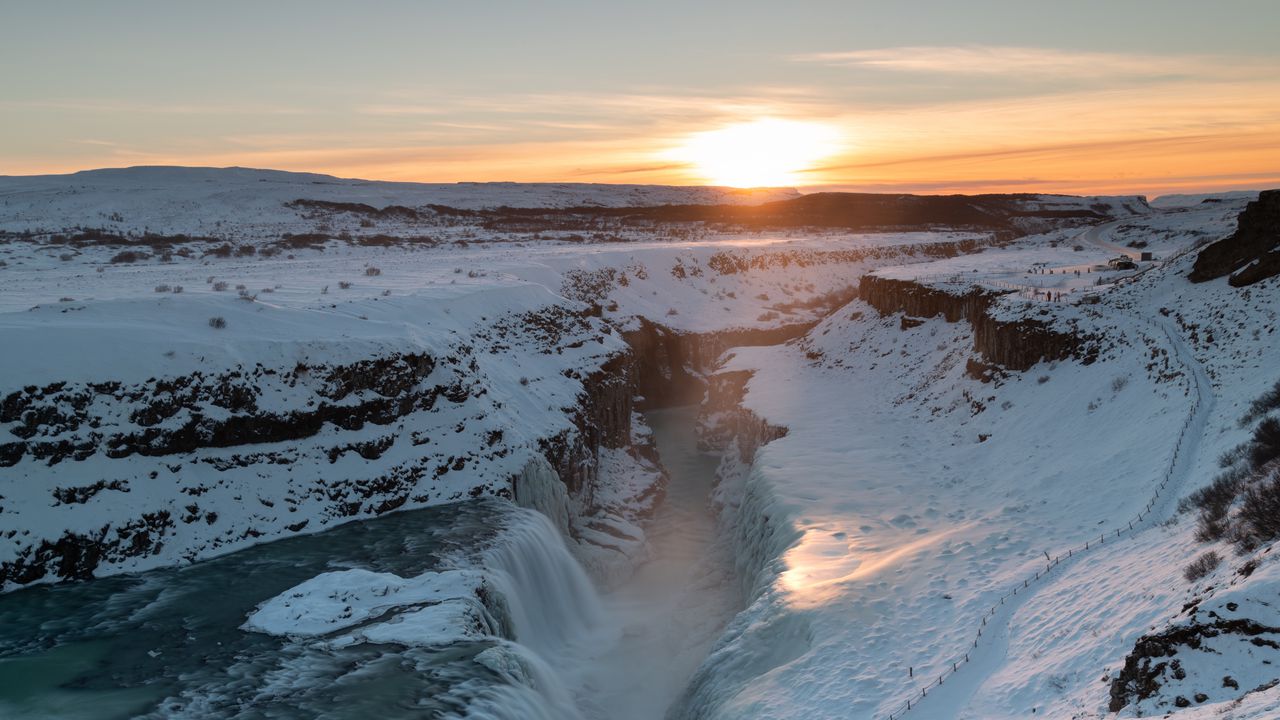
x: 992, y: 60
x: 138, y: 108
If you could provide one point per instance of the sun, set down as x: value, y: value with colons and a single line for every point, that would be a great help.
x: 767, y: 152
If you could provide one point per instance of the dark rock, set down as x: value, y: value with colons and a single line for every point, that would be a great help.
x: 1252, y: 253
x: 1139, y: 679
x: 1011, y: 345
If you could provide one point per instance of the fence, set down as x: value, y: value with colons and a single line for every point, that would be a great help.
x: 1073, y: 552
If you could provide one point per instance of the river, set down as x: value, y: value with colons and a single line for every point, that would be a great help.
x: 173, y: 643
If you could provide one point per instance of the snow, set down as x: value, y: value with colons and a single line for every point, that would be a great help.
x: 1183, y: 200
x: 892, y: 523
x: 345, y: 599
x: 86, y: 320
x: 244, y: 202
x: 906, y: 498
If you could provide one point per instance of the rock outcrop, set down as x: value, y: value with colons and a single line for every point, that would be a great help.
x: 113, y: 474
x: 1155, y: 663
x: 670, y: 367
x: 1252, y: 253
x: 1013, y: 345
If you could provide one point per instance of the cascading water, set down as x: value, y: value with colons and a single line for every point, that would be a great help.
x: 539, y: 487
x: 550, y: 598
x: 476, y: 610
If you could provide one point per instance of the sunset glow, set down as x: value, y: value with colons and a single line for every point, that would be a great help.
x: 761, y: 153
x: 991, y: 100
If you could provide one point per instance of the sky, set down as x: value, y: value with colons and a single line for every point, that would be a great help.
x: 1123, y: 96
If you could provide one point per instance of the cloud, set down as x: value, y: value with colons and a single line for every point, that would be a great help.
x: 994, y: 60
x: 149, y: 108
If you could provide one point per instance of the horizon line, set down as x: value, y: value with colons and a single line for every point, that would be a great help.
x: 938, y: 187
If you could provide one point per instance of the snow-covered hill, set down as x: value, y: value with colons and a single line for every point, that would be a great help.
x: 973, y: 511
x: 180, y: 404
x: 244, y: 203
x: 952, y: 456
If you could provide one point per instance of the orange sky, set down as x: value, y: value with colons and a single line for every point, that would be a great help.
x: 1137, y: 105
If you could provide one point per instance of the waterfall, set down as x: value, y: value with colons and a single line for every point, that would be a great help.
x: 539, y: 487
x: 548, y: 595
x: 535, y: 691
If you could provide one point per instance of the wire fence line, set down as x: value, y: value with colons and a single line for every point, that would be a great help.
x: 1132, y: 526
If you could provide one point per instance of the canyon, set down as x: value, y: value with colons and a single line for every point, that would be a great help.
x: 734, y: 457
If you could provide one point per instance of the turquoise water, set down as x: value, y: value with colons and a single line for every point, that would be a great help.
x: 168, y: 643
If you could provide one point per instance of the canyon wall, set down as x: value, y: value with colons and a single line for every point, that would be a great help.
x: 110, y: 475
x: 670, y: 367
x: 1011, y: 344
x: 1250, y: 254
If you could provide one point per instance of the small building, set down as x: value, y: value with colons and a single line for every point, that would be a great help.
x: 1123, y: 262
x: 1147, y: 256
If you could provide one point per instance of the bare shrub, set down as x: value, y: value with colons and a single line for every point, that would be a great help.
x: 1211, y: 527
x: 162, y: 288
x: 1218, y: 494
x: 242, y: 287
x: 1119, y: 382
x: 1265, y: 443
x: 344, y: 285
x: 372, y: 271
x: 217, y: 323
x: 219, y: 286
x: 1201, y: 566
x: 1268, y: 401
x: 1233, y: 456
x: 177, y: 289
x: 128, y: 256
x: 1259, y: 515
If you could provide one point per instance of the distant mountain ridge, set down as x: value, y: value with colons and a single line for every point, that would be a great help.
x: 244, y: 204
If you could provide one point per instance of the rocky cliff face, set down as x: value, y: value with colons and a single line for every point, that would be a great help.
x: 1252, y: 253
x: 601, y: 419
x: 670, y: 367
x: 1013, y: 345
x: 722, y: 419
x: 114, y: 475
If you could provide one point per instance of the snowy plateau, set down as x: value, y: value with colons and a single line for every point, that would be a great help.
x: 287, y: 445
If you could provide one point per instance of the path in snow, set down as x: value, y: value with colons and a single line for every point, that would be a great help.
x: 944, y: 698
